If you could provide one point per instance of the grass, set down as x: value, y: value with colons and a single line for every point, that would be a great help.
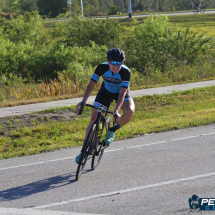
x: 153, y: 114
x: 199, y: 23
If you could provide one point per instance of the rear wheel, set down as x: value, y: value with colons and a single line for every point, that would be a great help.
x: 86, y: 151
x: 195, y: 11
x: 202, y: 11
x: 99, y: 147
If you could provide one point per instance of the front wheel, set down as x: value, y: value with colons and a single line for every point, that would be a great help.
x: 99, y: 147
x: 86, y: 151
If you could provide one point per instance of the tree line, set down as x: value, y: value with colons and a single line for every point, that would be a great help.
x: 52, y: 8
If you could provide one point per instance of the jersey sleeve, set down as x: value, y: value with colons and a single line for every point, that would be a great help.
x: 99, y: 71
x: 125, y: 75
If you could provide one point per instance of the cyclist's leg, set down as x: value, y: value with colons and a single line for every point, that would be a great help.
x: 198, y: 9
x: 128, y: 108
x: 128, y: 111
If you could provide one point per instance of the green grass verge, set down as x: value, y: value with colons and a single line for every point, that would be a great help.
x: 199, y: 23
x: 153, y: 114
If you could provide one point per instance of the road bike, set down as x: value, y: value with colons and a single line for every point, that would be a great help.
x: 94, y: 144
x: 201, y: 10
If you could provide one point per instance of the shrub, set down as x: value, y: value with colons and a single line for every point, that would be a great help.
x: 27, y: 28
x: 81, y: 31
x: 113, y: 10
x: 155, y: 44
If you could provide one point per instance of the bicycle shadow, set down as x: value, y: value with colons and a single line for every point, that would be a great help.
x: 36, y: 187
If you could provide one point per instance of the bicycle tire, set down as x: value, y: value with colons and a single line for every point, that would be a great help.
x: 85, y: 152
x: 97, y: 157
x: 195, y: 11
x: 202, y: 11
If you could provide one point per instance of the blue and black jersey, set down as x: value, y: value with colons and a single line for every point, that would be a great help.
x: 112, y: 81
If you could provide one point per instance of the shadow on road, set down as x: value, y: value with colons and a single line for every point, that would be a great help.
x: 37, y: 187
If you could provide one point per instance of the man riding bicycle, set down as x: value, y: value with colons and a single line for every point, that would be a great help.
x: 115, y: 86
x: 198, y: 6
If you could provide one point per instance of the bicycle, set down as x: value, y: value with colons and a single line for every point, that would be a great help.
x: 201, y: 10
x: 94, y: 145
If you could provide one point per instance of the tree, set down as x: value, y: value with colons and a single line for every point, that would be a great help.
x: 6, y: 5
x: 52, y: 8
x: 28, y: 5
x: 113, y: 10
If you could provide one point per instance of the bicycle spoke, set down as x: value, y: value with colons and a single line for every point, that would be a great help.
x: 100, y: 148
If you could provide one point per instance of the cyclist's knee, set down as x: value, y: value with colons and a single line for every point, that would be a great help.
x: 129, y: 112
x: 128, y: 108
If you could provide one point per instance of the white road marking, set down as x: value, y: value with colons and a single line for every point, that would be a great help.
x: 127, y: 190
x: 42, y: 162
x: 30, y: 211
x: 165, y: 141
x: 131, y: 147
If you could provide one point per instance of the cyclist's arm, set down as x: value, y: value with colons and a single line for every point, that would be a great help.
x: 94, y: 79
x: 121, y: 98
x: 87, y: 92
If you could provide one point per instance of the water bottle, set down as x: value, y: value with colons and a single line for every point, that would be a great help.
x: 100, y: 130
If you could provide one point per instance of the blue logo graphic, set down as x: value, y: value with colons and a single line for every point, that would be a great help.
x: 201, y: 204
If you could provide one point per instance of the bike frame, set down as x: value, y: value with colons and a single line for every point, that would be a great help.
x: 89, y: 144
x: 99, y: 117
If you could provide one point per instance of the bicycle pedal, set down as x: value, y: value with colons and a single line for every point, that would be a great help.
x: 105, y: 145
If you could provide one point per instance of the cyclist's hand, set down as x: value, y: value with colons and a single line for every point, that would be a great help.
x: 79, y: 107
x: 116, y: 115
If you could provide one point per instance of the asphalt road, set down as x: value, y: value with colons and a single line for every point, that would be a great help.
x: 168, y: 14
x: 151, y: 174
x: 136, y: 16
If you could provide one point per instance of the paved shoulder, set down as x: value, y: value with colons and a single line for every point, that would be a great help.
x: 27, y: 211
x: 170, y: 89
x: 24, y: 109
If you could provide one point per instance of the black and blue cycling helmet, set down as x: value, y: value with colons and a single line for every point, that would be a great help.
x: 116, y: 54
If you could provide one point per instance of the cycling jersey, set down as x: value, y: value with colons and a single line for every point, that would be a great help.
x: 112, y: 81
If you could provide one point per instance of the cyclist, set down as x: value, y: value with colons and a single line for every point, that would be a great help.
x: 115, y: 86
x: 198, y: 6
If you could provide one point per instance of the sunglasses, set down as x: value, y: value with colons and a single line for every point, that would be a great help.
x: 114, y: 63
